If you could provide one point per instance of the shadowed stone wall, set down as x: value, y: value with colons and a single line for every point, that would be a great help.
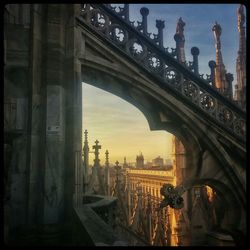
x: 43, y: 111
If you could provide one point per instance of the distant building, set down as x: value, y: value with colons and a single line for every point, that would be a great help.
x: 168, y: 162
x: 125, y: 164
x: 140, y: 161
x: 164, y: 167
x: 158, y: 161
x: 144, y: 197
x: 149, y: 164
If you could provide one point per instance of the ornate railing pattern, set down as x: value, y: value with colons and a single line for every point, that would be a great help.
x: 146, y: 216
x: 113, y: 24
x: 152, y: 213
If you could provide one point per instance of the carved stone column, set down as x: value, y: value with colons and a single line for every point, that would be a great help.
x: 54, y: 171
x: 75, y: 46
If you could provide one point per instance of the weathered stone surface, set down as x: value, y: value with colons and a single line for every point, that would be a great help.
x: 44, y: 76
x: 18, y: 199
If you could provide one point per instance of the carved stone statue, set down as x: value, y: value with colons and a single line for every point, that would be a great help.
x: 217, y: 32
x: 180, y: 26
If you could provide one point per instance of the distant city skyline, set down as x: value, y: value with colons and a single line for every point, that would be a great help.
x: 120, y: 127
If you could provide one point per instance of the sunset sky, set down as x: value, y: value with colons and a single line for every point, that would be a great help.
x: 120, y: 127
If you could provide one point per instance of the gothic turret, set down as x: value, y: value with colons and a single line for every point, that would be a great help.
x: 220, y: 72
x: 240, y: 87
x: 140, y: 161
x: 180, y: 41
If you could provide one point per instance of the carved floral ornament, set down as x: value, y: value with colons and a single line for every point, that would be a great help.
x: 142, y: 48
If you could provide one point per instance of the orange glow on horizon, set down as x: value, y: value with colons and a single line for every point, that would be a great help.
x: 120, y: 128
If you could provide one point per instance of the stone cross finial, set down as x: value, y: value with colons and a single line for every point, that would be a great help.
x: 96, y: 147
x: 241, y: 17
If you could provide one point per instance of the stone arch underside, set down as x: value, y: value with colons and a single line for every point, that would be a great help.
x: 164, y: 119
x: 103, y: 68
x: 70, y: 48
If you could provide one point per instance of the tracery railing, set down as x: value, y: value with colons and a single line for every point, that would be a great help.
x: 152, y: 218
x: 147, y: 50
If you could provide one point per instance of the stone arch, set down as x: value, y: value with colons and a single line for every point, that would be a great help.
x: 232, y: 211
x: 160, y: 115
x: 104, y: 69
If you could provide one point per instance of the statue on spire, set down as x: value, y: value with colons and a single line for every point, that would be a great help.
x: 96, y: 147
x: 217, y: 33
x: 96, y: 182
x: 180, y: 27
x: 241, y: 17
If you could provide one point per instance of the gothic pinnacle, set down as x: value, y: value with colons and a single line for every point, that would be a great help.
x: 212, y: 66
x: 220, y: 78
x: 144, y: 24
x: 241, y: 17
x: 160, y: 26
x: 195, y: 52
x: 180, y: 40
x: 86, y: 135
x: 107, y: 158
